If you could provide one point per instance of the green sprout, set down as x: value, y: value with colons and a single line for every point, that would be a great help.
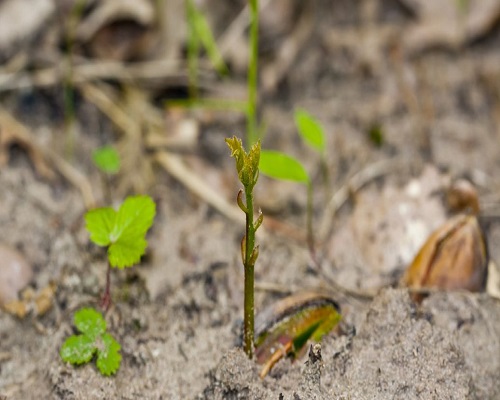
x: 123, y: 232
x: 247, y: 165
x: 281, y: 166
x: 80, y: 349
x: 252, y: 80
x: 107, y: 159
x: 200, y: 33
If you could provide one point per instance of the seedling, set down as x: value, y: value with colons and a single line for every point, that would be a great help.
x: 123, y: 232
x: 281, y: 166
x: 247, y: 165
x: 93, y: 340
x: 106, y: 158
x: 200, y: 33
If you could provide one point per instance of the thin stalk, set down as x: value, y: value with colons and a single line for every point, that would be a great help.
x: 248, y: 329
x: 309, y: 222
x: 192, y: 51
x: 106, y: 298
x: 252, y: 73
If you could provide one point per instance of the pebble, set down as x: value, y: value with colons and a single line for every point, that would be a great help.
x: 15, y: 273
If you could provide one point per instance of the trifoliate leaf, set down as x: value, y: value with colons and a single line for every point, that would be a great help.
x: 108, y: 357
x: 310, y: 129
x: 78, y: 349
x: 122, y: 231
x: 107, y: 159
x: 99, y: 223
x: 278, y: 165
x: 90, y: 322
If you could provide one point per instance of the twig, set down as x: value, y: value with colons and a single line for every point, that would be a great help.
x: 99, y: 70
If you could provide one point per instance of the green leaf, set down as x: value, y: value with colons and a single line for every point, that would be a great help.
x: 108, y: 357
x: 310, y: 129
x: 90, y: 322
x: 133, y: 220
x: 123, y: 231
x: 281, y: 166
x: 100, y: 223
x: 107, y: 159
x: 204, y: 33
x: 125, y: 253
x: 77, y: 349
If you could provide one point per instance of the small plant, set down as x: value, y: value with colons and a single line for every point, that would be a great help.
x: 80, y: 349
x: 199, y: 32
x: 106, y: 158
x: 123, y: 232
x: 247, y: 165
x: 278, y: 165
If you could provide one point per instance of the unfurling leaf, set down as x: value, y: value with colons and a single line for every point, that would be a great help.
x: 284, y: 328
x: 453, y: 257
x: 247, y: 164
x: 310, y: 129
x: 281, y: 166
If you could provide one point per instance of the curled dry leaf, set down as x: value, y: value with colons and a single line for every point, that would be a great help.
x: 453, y: 257
x: 284, y: 328
x: 462, y: 197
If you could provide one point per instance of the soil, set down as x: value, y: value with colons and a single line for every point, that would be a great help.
x: 427, y: 81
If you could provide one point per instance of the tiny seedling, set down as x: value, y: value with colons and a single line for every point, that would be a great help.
x: 80, y: 349
x: 123, y: 232
x: 278, y: 165
x: 107, y: 159
x: 199, y: 32
x: 247, y: 165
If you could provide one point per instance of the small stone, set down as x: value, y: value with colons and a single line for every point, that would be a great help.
x: 15, y: 273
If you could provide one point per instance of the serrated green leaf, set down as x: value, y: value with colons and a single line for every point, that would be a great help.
x: 100, y: 223
x: 125, y: 253
x: 310, y: 129
x: 122, y: 231
x: 281, y: 166
x: 133, y: 220
x: 108, y: 357
x: 90, y: 322
x: 77, y: 349
x: 106, y: 159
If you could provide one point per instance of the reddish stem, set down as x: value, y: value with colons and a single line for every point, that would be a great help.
x: 106, y: 298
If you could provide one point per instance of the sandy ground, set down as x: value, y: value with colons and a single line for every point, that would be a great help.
x: 178, y: 314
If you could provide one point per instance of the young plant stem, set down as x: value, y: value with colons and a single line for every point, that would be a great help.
x: 252, y: 73
x: 192, y: 51
x: 249, y: 263
x: 309, y: 222
x: 106, y: 298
